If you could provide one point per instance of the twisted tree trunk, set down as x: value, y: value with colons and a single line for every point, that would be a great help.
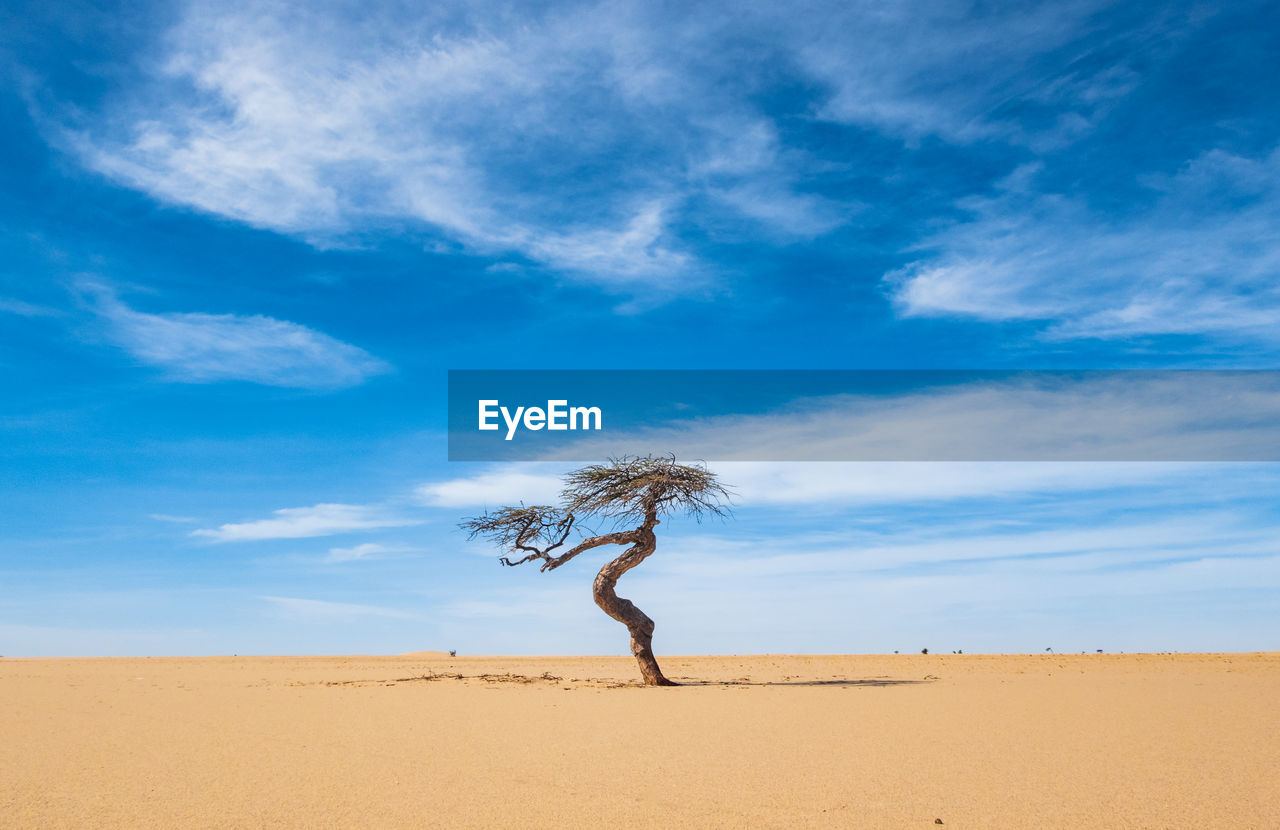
x: 624, y: 610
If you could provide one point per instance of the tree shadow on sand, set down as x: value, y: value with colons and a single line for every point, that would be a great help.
x: 863, y: 682
x: 548, y: 678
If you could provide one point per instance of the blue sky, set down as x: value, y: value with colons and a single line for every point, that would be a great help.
x: 242, y: 243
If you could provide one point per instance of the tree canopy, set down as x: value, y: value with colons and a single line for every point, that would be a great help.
x: 625, y: 491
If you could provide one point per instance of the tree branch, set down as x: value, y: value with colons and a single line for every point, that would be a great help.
x: 625, y: 537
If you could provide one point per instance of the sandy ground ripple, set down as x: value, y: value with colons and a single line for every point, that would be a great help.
x: 426, y: 740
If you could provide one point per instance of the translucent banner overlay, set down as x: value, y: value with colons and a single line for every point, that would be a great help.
x: 857, y: 415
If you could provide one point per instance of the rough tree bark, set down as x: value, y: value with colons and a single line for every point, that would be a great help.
x: 643, y: 542
x: 624, y: 610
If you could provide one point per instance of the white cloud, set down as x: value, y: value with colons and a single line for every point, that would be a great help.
x: 862, y: 483
x: 1022, y: 603
x: 497, y: 129
x: 201, y: 348
x: 368, y: 550
x: 25, y: 309
x: 506, y: 485
x: 1202, y: 260
x: 836, y: 483
x: 781, y: 209
x: 548, y: 603
x: 165, y: 517
x: 617, y: 120
x: 588, y: 139
x: 315, y: 610
x: 1025, y: 74
x: 306, y: 522
x: 283, y: 122
x: 1061, y: 549
x: 635, y: 252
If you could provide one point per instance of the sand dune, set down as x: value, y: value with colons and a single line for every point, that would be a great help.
x: 426, y: 740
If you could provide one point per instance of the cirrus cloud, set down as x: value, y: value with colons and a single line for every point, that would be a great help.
x: 195, y: 347
x: 1203, y: 259
x: 306, y: 522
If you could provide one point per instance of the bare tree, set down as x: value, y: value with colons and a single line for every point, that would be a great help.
x: 631, y: 492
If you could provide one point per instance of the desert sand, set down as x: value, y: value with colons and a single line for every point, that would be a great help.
x: 428, y: 740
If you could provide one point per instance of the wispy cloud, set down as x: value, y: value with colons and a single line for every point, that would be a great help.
x: 1113, y: 584
x: 367, y: 550
x: 22, y: 308
x: 598, y: 141
x: 547, y: 603
x: 1203, y: 259
x: 833, y: 484
x: 509, y: 484
x: 870, y: 483
x: 165, y: 517
x: 1033, y: 74
x: 294, y: 128
x: 1059, y: 548
x: 592, y: 140
x: 194, y: 347
x: 635, y: 252
x: 305, y: 522
x: 574, y: 137
x: 316, y: 610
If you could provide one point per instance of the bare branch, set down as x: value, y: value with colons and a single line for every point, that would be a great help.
x: 625, y: 537
x: 535, y: 530
x: 642, y: 488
